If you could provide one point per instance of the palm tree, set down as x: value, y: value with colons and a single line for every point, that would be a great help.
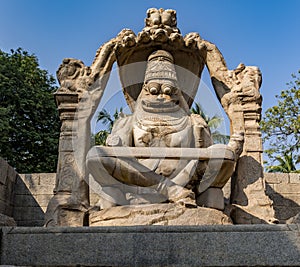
x: 286, y: 165
x: 106, y: 119
x: 213, y: 123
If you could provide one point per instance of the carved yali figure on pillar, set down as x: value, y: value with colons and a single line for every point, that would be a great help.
x: 161, y: 119
x: 161, y: 153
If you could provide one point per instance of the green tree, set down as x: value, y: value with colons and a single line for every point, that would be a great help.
x: 213, y: 123
x: 106, y: 119
x: 100, y: 137
x: 286, y: 165
x: 29, y: 123
x: 281, y: 125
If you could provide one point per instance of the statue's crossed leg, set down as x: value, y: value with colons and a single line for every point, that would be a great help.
x: 125, y: 181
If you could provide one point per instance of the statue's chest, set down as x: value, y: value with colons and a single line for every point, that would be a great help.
x: 162, y: 136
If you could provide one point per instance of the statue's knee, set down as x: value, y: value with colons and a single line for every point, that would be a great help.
x: 224, y: 170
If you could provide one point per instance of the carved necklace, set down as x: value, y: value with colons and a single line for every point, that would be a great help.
x: 172, y: 122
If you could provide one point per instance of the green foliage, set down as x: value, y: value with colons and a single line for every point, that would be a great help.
x: 100, y: 137
x: 213, y: 123
x: 286, y: 165
x: 281, y: 125
x: 106, y: 119
x: 29, y: 123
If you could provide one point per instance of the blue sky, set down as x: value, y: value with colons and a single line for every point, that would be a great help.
x: 264, y: 33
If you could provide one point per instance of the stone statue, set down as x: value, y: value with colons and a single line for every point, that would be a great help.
x: 162, y: 118
x: 161, y: 155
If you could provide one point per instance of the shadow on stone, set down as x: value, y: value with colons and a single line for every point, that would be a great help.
x: 27, y: 211
x: 284, y: 208
x: 253, y: 172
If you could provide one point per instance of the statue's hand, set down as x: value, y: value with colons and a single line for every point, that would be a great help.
x: 236, y: 143
x: 113, y: 140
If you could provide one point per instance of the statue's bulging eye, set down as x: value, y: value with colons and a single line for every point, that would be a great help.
x: 167, y: 90
x: 153, y: 90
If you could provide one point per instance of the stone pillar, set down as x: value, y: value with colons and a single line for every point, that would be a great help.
x: 248, y: 196
x: 81, y: 89
x: 71, y: 201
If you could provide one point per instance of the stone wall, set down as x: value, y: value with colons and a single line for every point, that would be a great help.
x: 7, y: 182
x: 284, y: 190
x: 32, y: 194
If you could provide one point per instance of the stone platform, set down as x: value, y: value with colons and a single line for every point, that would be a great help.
x: 158, y: 214
x: 219, y: 245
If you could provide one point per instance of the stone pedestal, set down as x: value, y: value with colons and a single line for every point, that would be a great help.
x: 219, y: 245
x: 158, y: 214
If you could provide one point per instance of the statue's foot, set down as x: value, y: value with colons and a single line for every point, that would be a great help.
x: 182, y: 196
x: 187, y: 202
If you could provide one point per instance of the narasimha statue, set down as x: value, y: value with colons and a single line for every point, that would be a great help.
x: 162, y: 119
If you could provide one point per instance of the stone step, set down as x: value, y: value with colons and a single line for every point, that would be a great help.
x: 220, y: 245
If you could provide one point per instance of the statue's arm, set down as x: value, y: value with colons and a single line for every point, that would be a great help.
x: 219, y: 73
x: 201, y: 132
x: 104, y: 59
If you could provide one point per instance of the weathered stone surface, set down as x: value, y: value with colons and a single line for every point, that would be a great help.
x: 7, y: 182
x: 287, y: 189
x: 6, y: 208
x: 37, y: 179
x: 218, y: 245
x: 286, y: 213
x: 6, y: 220
x: 157, y: 214
x: 294, y: 220
x: 32, y: 193
x: 28, y: 213
x: 294, y: 178
x: 32, y: 200
x: 3, y: 171
x: 161, y: 152
x: 276, y: 178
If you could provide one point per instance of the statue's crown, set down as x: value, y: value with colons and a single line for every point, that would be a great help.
x: 161, y: 55
x: 160, y: 66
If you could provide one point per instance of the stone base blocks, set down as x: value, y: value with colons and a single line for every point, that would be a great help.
x: 7, y: 181
x: 284, y: 191
x: 220, y: 245
x: 32, y: 195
